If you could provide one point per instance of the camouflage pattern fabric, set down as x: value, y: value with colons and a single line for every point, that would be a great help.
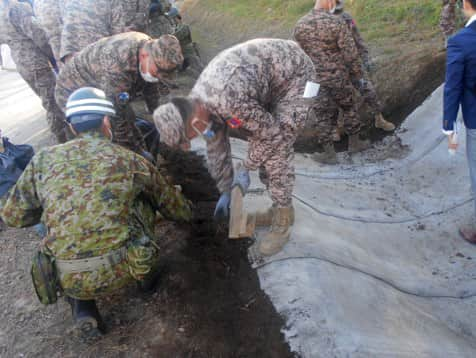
x: 327, y: 39
x: 262, y: 83
x: 367, y: 90
x: 159, y: 23
x: 448, y: 19
x: 32, y: 54
x: 87, y: 21
x: 93, y: 197
x: 359, y: 41
x: 112, y: 64
x: 49, y: 15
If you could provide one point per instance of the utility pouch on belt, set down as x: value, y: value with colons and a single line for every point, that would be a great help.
x: 45, y: 278
x: 141, y: 256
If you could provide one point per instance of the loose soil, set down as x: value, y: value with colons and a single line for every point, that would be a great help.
x: 208, y: 303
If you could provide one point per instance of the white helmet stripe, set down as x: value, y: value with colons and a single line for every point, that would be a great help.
x: 71, y: 111
x: 89, y: 101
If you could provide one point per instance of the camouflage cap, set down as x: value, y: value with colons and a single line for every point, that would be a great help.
x: 169, y: 123
x: 166, y: 52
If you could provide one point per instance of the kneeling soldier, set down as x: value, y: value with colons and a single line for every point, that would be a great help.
x: 98, y: 202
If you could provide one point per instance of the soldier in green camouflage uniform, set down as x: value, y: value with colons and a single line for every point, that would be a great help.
x: 33, y: 56
x: 159, y: 23
x: 191, y: 57
x: 118, y: 64
x: 95, y: 199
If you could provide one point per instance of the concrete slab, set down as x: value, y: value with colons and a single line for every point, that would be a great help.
x: 375, y: 266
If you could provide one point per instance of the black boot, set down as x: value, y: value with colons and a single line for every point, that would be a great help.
x: 150, y: 281
x: 87, y: 322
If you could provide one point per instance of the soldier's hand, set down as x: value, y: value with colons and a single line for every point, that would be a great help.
x: 242, y: 178
x: 222, y: 209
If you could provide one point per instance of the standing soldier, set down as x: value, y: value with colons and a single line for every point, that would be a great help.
x: 367, y: 89
x: 33, y: 56
x: 49, y: 15
x: 256, y: 87
x: 159, y: 23
x: 71, y: 25
x: 191, y: 57
x: 128, y: 62
x: 98, y: 202
x: 327, y: 39
x: 448, y: 18
x: 86, y: 21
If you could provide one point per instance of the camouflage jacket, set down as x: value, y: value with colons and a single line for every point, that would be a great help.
x: 110, y: 64
x: 49, y: 14
x: 20, y: 30
x: 86, y: 21
x: 254, y: 81
x: 327, y: 39
x: 448, y: 19
x: 359, y: 41
x: 93, y: 197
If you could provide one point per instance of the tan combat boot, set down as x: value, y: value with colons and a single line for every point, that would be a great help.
x: 265, y: 218
x: 382, y: 123
x: 356, y: 144
x: 278, y: 236
x: 329, y: 155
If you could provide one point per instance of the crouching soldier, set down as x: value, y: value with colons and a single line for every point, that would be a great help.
x: 98, y: 202
x: 256, y: 87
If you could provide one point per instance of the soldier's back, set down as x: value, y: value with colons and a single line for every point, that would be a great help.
x: 86, y: 189
x: 318, y: 35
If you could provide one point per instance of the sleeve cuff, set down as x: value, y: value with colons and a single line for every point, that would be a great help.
x: 447, y: 132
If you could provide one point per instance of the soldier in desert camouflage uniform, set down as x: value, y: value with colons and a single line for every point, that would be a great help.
x: 327, y: 39
x: 33, y: 56
x: 98, y: 202
x: 366, y: 88
x: 448, y: 18
x: 71, y: 25
x: 49, y: 15
x: 128, y: 62
x: 258, y: 87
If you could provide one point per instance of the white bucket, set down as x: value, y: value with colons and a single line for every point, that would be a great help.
x: 7, y: 61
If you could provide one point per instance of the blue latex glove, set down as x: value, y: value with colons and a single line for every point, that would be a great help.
x: 222, y: 210
x: 242, y: 178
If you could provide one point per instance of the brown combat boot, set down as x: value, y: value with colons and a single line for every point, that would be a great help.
x: 265, y: 218
x: 329, y: 156
x: 382, y: 123
x: 280, y: 231
x: 356, y: 144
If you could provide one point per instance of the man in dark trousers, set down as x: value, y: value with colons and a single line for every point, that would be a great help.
x: 460, y: 89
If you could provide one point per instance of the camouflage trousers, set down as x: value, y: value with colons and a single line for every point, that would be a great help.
x: 326, y: 111
x: 277, y: 170
x: 273, y: 155
x: 370, y: 96
x: 42, y: 82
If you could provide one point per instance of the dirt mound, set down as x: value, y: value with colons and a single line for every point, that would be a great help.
x: 208, y: 303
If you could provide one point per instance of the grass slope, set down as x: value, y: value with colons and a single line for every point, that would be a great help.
x: 378, y: 20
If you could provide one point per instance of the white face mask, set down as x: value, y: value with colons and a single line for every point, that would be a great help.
x: 208, y: 133
x: 147, y: 76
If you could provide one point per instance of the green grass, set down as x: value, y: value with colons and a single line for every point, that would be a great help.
x: 377, y: 19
